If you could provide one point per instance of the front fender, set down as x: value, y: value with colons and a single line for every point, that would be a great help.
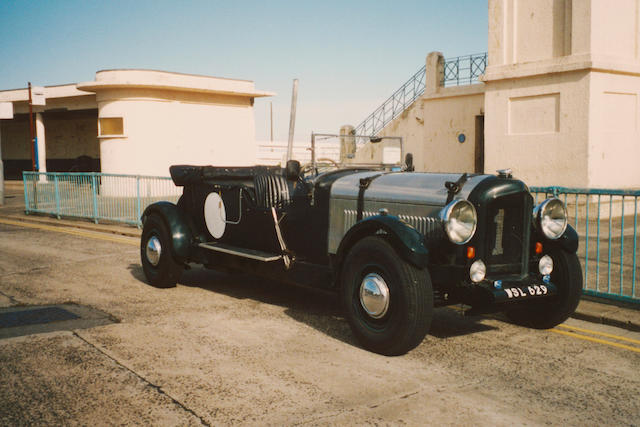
x: 568, y: 241
x: 403, y: 237
x: 176, y: 222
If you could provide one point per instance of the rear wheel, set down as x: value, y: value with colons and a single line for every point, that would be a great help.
x: 158, y: 264
x: 388, y: 302
x: 545, y: 314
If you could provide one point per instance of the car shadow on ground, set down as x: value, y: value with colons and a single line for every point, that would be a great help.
x: 318, y: 309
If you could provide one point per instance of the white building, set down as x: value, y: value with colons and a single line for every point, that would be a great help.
x: 559, y: 102
x: 133, y: 122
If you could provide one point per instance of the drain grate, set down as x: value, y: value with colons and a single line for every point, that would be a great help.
x: 25, y: 320
x: 35, y: 316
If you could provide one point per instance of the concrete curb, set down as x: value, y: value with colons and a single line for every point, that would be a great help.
x: 103, y: 228
x: 625, y: 317
x: 605, y: 320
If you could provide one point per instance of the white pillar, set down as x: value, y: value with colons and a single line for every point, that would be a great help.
x: 1, y: 169
x: 42, y: 146
x: 434, y: 74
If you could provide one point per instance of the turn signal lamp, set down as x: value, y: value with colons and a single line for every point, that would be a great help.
x: 538, y: 248
x: 471, y: 252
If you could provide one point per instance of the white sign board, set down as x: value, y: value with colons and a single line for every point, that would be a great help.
x: 37, y: 95
x: 6, y: 110
x: 391, y: 155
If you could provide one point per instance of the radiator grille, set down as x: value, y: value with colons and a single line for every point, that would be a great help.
x: 505, y: 234
x: 271, y: 190
x: 423, y: 224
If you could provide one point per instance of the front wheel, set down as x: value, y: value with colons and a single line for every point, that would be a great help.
x: 545, y: 314
x: 388, y: 302
x: 158, y: 264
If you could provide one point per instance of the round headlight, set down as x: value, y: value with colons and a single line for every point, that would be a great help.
x: 460, y: 220
x: 551, y: 218
x: 477, y: 271
x: 545, y: 266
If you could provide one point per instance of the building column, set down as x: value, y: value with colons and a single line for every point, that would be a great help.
x: 1, y: 169
x: 42, y: 146
x: 434, y: 73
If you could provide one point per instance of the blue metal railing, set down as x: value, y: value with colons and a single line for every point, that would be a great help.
x: 96, y: 196
x: 461, y: 70
x: 394, y: 105
x: 607, y: 223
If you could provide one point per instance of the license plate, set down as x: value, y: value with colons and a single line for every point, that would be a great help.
x: 526, y: 291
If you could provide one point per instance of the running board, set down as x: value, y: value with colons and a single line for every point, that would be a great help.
x: 241, y: 252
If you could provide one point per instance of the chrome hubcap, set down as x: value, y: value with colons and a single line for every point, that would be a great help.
x: 374, y: 295
x: 154, y: 250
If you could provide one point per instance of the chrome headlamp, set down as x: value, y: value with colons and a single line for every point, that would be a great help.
x: 460, y: 220
x: 550, y: 217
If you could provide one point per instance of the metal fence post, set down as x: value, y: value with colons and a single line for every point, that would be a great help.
x: 622, y: 248
x: 95, y: 198
x: 635, y: 228
x: 138, y: 201
x: 55, y: 181
x: 26, y: 195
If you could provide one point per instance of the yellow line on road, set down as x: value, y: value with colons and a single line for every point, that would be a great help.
x: 598, y: 340
x: 74, y: 232
x: 604, y: 334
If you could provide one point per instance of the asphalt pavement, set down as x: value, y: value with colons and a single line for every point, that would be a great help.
x: 84, y: 340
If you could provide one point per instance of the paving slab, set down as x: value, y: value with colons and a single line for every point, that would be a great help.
x: 60, y: 379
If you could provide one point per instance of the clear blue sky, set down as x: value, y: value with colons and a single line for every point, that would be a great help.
x: 348, y: 55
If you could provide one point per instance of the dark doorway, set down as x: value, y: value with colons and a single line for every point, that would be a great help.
x: 479, y: 148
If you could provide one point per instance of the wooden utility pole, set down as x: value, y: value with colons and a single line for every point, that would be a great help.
x: 292, y: 119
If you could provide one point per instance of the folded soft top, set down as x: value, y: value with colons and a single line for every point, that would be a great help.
x: 189, y: 174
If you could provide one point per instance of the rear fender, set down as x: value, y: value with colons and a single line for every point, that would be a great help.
x: 406, y: 240
x: 176, y: 222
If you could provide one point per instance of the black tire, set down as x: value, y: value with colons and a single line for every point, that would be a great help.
x: 166, y: 272
x: 545, y: 314
x: 410, y: 308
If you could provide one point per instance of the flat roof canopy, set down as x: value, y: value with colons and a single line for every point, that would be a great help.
x: 151, y: 79
x: 59, y: 91
x: 143, y: 79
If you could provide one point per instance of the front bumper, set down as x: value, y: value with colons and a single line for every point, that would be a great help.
x: 496, y: 293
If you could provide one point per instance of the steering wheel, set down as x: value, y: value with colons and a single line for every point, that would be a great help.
x: 323, y: 163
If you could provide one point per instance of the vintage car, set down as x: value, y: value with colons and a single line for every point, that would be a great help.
x: 392, y: 243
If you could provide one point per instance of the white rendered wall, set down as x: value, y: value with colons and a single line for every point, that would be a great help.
x: 431, y: 126
x: 164, y: 128
x: 563, y: 84
x: 614, y: 143
x: 539, y: 127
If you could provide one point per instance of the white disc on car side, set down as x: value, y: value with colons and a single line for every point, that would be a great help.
x: 215, y: 215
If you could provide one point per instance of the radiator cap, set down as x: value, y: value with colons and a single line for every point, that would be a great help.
x: 505, y: 173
